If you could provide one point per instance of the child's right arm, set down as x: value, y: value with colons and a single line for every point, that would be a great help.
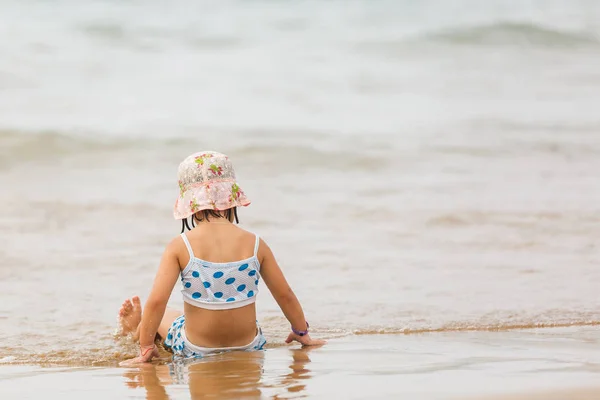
x: 284, y: 296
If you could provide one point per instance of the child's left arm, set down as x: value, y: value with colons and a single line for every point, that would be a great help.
x: 154, y: 309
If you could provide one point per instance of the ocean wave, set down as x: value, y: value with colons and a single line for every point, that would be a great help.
x: 567, y: 127
x: 513, y: 147
x: 151, y: 38
x: 18, y: 147
x: 115, y: 34
x: 105, y: 30
x: 467, y: 327
x: 512, y: 219
x: 513, y: 34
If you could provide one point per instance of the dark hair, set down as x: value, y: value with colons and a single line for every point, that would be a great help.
x: 206, y: 214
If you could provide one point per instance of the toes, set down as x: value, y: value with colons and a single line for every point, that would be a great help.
x: 126, y: 308
x: 136, y: 302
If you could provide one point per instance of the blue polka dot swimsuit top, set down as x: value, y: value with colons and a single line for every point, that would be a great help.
x: 220, y: 286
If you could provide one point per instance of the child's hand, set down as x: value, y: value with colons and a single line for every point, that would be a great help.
x: 305, y: 340
x: 146, y: 355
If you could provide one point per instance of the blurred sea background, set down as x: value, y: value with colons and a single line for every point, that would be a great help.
x: 423, y: 167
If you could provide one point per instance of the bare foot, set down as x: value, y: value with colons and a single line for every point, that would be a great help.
x: 130, y: 315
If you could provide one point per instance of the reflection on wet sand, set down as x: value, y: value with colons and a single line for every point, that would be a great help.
x: 151, y: 377
x: 226, y: 376
x: 295, y: 381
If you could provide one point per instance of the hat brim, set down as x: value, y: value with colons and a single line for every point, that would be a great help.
x: 216, y: 196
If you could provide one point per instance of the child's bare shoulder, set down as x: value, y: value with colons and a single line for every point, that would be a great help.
x: 174, y: 247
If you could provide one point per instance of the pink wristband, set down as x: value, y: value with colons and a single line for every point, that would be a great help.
x: 143, y: 351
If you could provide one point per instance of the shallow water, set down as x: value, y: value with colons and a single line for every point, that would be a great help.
x: 414, y: 171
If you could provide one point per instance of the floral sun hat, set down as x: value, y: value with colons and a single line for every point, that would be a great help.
x: 207, y: 182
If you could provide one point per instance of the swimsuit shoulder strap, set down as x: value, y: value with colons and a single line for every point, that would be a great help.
x: 187, y: 244
x: 256, y: 244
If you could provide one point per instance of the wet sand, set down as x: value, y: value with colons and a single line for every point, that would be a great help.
x: 579, y: 394
x: 561, y: 363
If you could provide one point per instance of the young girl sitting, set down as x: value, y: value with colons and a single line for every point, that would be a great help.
x: 220, y: 266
